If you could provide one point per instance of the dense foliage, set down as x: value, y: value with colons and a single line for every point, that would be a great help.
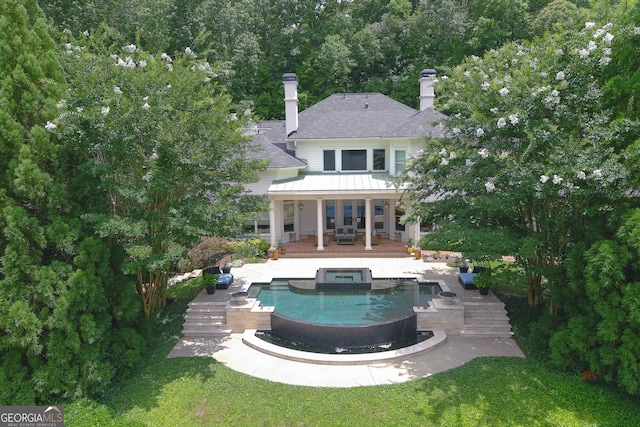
x: 486, y: 392
x: 332, y: 45
x: 119, y: 148
x: 537, y: 166
x: 166, y: 146
x: 64, y: 306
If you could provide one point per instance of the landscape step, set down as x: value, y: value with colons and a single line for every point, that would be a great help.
x: 211, y: 332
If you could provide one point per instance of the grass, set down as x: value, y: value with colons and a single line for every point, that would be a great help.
x: 199, y: 391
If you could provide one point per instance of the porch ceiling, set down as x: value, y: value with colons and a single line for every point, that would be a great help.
x: 333, y: 184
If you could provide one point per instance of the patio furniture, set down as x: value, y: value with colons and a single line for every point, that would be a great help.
x: 374, y: 238
x: 224, y: 281
x: 466, y: 280
x: 325, y: 239
x: 345, y: 235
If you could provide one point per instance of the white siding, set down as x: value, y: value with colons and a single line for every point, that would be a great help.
x: 266, y: 179
x: 312, y: 151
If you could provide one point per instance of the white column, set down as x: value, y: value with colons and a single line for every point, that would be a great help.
x: 319, y: 226
x: 391, y: 219
x: 416, y: 235
x: 367, y: 225
x: 272, y: 224
x: 296, y: 220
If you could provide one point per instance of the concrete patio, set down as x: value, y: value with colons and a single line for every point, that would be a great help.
x: 455, y: 349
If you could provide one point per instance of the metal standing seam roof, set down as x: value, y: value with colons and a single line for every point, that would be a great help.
x: 343, y: 183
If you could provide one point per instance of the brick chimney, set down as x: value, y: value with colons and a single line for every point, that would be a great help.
x: 290, y: 81
x: 427, y: 94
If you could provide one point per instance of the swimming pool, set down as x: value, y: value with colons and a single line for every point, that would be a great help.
x: 395, y: 298
x: 346, y: 319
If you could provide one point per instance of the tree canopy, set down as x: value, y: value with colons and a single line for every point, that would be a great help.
x: 167, y: 148
x: 64, y: 303
x: 541, y: 163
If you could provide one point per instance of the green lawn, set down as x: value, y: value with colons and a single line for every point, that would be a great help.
x: 485, y: 392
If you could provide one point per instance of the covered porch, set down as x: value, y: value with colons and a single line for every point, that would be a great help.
x: 343, y: 211
x: 306, y: 247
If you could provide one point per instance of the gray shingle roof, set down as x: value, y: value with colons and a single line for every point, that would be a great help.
x: 270, y: 145
x: 423, y: 123
x: 343, y: 116
x: 361, y: 115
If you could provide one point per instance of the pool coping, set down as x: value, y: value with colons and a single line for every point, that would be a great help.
x: 249, y: 338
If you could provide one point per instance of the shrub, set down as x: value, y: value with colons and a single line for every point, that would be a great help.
x: 249, y: 248
x: 207, y: 253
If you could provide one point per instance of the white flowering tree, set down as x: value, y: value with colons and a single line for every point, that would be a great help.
x: 165, y: 147
x: 532, y: 160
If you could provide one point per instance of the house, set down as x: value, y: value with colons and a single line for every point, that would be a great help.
x: 330, y: 166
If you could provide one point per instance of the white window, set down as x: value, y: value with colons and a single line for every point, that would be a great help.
x: 401, y: 160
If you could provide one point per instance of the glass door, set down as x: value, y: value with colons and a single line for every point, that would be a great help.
x: 347, y: 212
x: 330, y: 214
x: 361, y: 214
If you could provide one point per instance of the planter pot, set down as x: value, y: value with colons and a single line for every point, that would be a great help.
x: 448, y: 298
x: 276, y: 255
x: 464, y: 269
x: 211, y: 290
x: 417, y: 253
x: 226, y: 268
x: 484, y: 291
x: 239, y: 298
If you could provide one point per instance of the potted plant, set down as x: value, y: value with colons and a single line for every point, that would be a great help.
x: 210, y: 280
x: 482, y: 280
x: 410, y: 246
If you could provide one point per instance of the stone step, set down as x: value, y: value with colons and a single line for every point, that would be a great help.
x: 206, y: 319
x: 203, y: 323
x: 196, y: 310
x: 486, y: 322
x: 205, y: 315
x: 207, y: 303
x: 205, y: 332
x: 492, y: 311
x: 487, y: 332
x: 485, y: 318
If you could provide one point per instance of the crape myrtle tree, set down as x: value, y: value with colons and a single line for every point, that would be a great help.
x: 533, y: 163
x: 599, y: 326
x: 65, y: 318
x: 167, y: 148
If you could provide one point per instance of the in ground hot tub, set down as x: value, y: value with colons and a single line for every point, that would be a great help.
x: 343, y: 278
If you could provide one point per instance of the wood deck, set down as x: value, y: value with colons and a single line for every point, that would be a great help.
x: 307, y: 248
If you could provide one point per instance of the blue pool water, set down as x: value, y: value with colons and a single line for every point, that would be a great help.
x: 344, y: 307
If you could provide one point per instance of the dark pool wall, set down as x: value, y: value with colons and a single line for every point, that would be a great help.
x: 344, y: 336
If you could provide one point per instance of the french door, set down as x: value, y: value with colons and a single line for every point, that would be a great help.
x: 349, y: 213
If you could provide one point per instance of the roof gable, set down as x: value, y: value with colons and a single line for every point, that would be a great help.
x: 363, y: 115
x: 351, y: 116
x: 269, y: 145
